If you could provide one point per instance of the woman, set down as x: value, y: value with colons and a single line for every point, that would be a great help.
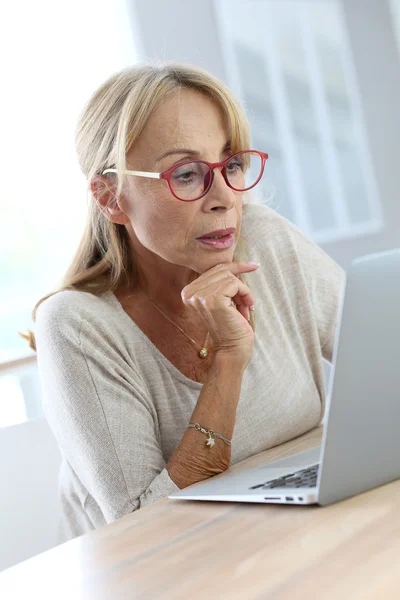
x: 149, y: 347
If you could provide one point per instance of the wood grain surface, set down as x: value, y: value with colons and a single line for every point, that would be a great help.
x: 183, y: 549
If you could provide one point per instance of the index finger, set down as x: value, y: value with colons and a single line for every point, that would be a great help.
x: 243, y: 266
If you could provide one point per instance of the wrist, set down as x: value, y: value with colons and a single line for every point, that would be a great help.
x: 230, y: 362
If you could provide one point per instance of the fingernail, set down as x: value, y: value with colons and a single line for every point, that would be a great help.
x: 252, y: 262
x: 252, y: 307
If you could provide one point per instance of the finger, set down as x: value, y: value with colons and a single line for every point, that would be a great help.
x: 243, y: 267
x: 244, y: 310
x: 220, y: 295
x: 223, y: 284
x: 241, y: 301
x: 244, y: 299
x: 214, y: 276
x: 235, y: 267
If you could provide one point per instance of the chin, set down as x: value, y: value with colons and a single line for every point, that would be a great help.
x: 213, y: 259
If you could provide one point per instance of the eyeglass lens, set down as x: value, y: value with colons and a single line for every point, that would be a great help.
x: 190, y: 181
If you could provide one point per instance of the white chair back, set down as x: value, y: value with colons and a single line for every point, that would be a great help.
x: 29, y: 504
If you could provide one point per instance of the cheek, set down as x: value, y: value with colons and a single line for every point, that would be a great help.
x: 160, y: 221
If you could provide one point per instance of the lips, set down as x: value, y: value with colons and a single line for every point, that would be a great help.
x: 220, y: 239
x: 218, y: 232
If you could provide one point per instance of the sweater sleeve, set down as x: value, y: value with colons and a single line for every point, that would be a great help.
x: 317, y: 275
x: 87, y: 380
x: 324, y: 280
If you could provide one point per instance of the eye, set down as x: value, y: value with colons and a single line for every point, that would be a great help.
x: 187, y: 174
x: 184, y: 175
x: 235, y: 165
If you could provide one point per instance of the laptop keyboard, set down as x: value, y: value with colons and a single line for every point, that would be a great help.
x: 303, y: 478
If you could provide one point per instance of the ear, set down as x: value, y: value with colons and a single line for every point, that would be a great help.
x: 104, y: 190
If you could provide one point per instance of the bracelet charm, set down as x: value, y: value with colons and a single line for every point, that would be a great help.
x: 210, y: 441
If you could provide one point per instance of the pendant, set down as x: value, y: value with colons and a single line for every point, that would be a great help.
x: 203, y: 353
x: 210, y: 440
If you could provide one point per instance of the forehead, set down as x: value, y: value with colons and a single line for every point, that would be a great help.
x: 187, y: 118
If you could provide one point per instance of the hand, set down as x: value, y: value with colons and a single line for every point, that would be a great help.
x: 211, y: 296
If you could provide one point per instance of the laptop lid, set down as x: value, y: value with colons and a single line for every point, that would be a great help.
x: 361, y: 445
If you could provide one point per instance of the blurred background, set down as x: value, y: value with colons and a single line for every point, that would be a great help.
x: 320, y: 82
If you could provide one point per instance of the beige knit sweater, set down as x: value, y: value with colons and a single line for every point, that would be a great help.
x: 119, y: 408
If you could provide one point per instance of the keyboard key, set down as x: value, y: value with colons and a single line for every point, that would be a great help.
x: 304, y: 478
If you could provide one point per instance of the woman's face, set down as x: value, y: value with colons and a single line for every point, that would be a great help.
x: 187, y: 126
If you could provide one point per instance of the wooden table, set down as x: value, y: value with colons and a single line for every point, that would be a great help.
x: 178, y: 549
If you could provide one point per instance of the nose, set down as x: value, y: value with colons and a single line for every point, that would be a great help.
x: 219, y: 197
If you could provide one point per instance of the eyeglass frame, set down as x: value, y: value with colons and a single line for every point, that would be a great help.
x: 166, y: 175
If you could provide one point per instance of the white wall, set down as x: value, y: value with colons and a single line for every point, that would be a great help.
x: 180, y: 30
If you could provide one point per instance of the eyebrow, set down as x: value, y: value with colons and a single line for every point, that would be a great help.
x: 188, y: 151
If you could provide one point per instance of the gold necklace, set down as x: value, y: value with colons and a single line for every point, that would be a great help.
x: 203, y: 350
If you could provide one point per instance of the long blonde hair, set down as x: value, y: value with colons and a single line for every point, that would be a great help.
x: 108, y: 127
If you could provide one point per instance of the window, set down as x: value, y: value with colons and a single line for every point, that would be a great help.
x: 57, y: 55
x: 62, y: 53
x: 290, y: 65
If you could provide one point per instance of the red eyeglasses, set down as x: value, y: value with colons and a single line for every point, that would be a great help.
x: 190, y: 181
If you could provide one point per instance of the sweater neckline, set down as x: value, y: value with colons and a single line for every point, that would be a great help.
x: 168, y: 364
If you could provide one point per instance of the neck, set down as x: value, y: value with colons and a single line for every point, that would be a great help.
x: 161, y: 280
x: 164, y: 288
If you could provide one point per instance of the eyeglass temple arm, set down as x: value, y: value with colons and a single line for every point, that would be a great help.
x: 138, y: 173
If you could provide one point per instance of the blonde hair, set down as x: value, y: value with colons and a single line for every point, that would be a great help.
x: 108, y: 127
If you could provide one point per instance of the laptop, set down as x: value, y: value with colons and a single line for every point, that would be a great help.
x: 360, y: 447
